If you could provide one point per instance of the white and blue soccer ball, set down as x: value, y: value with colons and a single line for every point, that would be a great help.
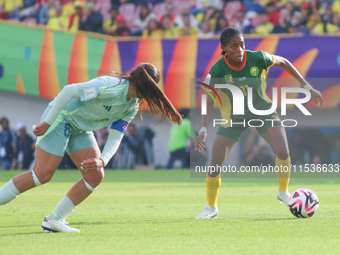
x: 303, y: 203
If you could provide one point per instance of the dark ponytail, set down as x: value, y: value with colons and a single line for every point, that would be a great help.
x: 145, y: 79
x: 227, y: 35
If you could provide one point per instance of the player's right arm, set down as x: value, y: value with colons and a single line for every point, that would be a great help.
x: 199, y: 145
x: 85, y: 91
x: 64, y: 97
x: 200, y: 139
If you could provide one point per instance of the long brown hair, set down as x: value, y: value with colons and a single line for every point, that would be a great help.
x: 145, y: 78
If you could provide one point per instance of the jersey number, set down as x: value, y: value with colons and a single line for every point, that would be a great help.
x: 67, y: 130
x: 245, y: 89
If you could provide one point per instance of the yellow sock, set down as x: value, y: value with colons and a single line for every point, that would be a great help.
x: 213, y: 186
x: 283, y: 177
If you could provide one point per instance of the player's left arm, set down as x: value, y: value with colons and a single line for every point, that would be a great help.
x: 289, y: 68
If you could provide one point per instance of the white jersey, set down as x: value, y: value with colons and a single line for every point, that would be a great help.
x: 102, y: 101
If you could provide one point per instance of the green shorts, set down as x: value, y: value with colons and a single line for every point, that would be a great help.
x: 61, y: 137
x: 234, y: 133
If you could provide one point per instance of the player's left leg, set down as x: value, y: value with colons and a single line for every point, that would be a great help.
x: 81, y: 147
x: 277, y: 139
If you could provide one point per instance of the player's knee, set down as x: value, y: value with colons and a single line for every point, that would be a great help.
x: 282, y: 152
x: 44, y: 178
x: 96, y: 178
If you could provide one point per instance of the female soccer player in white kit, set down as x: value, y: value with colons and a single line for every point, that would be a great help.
x: 67, y: 125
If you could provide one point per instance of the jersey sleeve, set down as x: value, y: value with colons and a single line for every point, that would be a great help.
x: 268, y: 60
x: 212, y: 77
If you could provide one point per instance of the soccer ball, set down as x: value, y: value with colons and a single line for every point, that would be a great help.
x: 303, y: 203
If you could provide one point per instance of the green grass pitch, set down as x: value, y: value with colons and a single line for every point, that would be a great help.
x: 138, y: 212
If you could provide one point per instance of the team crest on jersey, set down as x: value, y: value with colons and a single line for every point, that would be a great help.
x: 229, y: 79
x: 254, y: 71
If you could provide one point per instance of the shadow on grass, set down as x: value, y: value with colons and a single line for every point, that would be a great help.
x: 23, y: 234
x: 274, y: 219
x: 89, y: 223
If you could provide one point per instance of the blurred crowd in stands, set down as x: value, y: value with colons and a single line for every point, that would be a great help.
x: 174, y: 18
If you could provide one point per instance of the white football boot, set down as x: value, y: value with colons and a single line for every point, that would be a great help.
x: 208, y: 213
x: 56, y: 226
x: 283, y: 197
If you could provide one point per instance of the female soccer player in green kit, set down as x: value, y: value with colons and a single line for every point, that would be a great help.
x: 67, y: 125
x: 244, y: 68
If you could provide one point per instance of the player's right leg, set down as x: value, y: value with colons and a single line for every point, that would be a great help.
x: 43, y: 170
x: 221, y: 148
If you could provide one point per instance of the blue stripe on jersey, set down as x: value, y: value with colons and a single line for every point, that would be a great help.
x: 120, y: 125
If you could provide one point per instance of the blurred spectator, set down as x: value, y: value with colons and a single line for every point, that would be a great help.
x: 186, y: 12
x: 152, y: 29
x: 28, y: 10
x: 208, y: 16
x: 204, y: 4
x: 91, y: 21
x: 187, y: 28
x: 293, y: 28
x: 272, y: 14
x: 25, y: 147
x: 170, y: 11
x: 47, y: 10
x: 169, y: 30
x: 336, y: 7
x: 70, y: 7
x: 282, y: 27
x: 59, y: 21
x: 8, y: 145
x: 205, y: 31
x: 109, y: 25
x: 258, y: 151
x: 37, y: 8
x: 242, y: 22
x: 178, y: 141
x: 265, y: 27
x: 314, y: 17
x: 136, y: 148
x: 75, y: 18
x: 144, y: 16
x: 336, y: 20
x: 120, y: 2
x: 325, y: 27
x: 10, y: 8
x: 253, y: 5
x: 122, y: 28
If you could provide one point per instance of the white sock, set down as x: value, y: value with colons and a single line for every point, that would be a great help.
x: 8, y: 192
x: 62, y: 210
x: 285, y: 193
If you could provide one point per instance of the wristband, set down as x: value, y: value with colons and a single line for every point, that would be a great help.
x: 308, y: 86
x: 205, y: 131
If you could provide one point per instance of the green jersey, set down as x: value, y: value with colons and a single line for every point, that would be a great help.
x: 252, y: 74
x: 102, y: 101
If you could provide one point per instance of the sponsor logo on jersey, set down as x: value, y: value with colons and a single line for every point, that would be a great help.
x: 254, y: 71
x: 108, y: 108
x: 229, y: 78
x: 242, y: 79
